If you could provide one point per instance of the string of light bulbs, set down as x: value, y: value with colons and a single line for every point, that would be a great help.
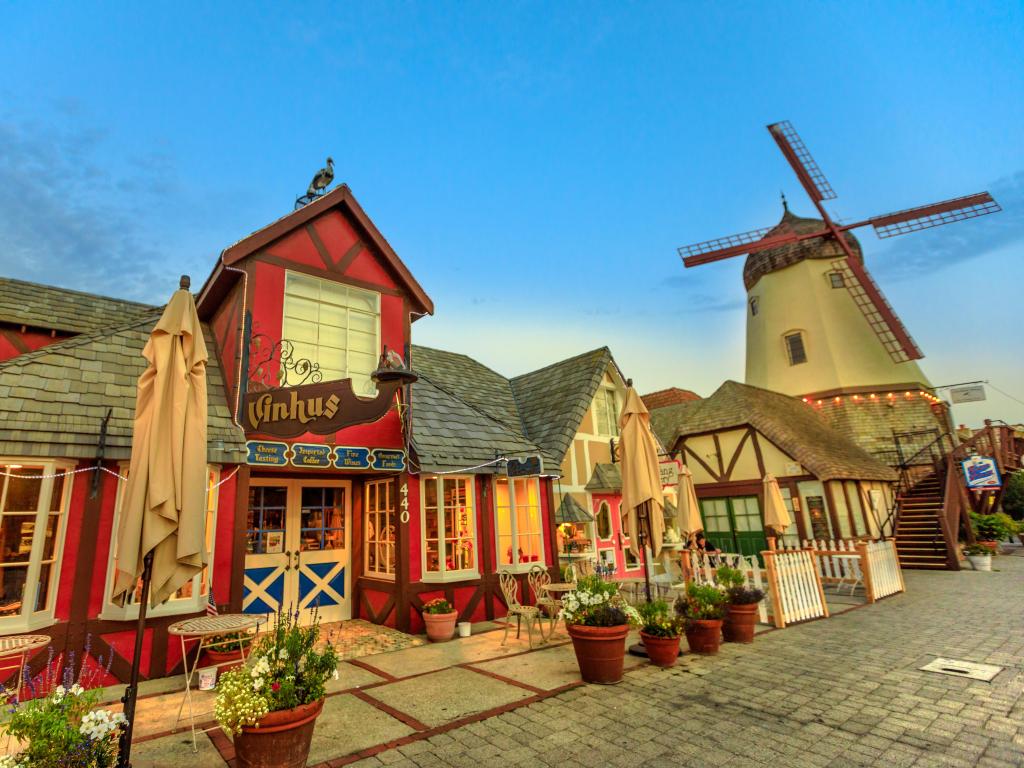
x: 118, y: 475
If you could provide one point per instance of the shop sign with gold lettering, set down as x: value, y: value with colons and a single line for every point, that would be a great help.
x: 351, y: 458
x: 266, y: 454
x: 311, y: 455
x: 385, y: 460
x: 321, y: 409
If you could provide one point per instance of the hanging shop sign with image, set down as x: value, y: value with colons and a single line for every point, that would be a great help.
x: 982, y: 473
x: 524, y: 466
x: 267, y: 453
x: 320, y: 409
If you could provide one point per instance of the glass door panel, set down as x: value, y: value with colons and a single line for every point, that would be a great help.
x: 322, y: 558
x: 266, y: 584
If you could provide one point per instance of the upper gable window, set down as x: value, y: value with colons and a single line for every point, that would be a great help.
x: 334, y: 325
x: 606, y: 412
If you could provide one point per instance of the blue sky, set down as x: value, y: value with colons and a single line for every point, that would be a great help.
x: 523, y: 157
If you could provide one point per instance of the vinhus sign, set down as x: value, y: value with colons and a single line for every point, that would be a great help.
x: 322, y: 408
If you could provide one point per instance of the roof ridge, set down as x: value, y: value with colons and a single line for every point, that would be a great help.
x: 561, y: 362
x: 85, y: 294
x: 462, y: 354
x: 81, y: 339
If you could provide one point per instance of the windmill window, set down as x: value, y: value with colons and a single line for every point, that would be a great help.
x: 754, y: 306
x: 836, y: 279
x: 795, y: 348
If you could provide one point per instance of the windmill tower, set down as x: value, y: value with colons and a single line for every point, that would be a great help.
x: 818, y: 326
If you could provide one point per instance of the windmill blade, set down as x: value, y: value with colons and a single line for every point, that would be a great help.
x: 796, y: 152
x: 934, y: 215
x: 877, y: 311
x: 737, y: 245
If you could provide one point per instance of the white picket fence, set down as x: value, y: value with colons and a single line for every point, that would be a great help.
x: 883, y: 576
x: 703, y: 568
x: 794, y: 586
x: 852, y: 562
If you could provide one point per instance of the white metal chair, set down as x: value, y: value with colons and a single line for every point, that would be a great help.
x: 538, y: 579
x: 510, y: 589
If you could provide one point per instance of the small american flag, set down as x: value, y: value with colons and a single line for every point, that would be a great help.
x: 211, y: 606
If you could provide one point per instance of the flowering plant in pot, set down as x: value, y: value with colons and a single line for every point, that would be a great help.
x: 992, y: 528
x: 661, y: 631
x: 741, y: 611
x: 598, y: 620
x: 57, y: 724
x: 227, y: 647
x: 270, y: 705
x: 703, y: 607
x: 439, y: 616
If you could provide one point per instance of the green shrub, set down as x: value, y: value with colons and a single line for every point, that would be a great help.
x: 1013, y: 496
x: 702, y: 602
x: 997, y: 526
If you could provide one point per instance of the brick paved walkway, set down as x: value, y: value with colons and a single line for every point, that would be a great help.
x: 840, y: 692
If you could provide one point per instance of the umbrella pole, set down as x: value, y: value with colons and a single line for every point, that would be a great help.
x: 643, y: 515
x: 124, y: 751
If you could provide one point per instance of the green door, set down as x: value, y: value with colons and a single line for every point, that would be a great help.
x: 734, y: 524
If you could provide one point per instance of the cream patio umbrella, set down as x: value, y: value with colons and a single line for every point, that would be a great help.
x: 642, y: 499
x: 776, y: 516
x: 161, y: 535
x: 688, y: 519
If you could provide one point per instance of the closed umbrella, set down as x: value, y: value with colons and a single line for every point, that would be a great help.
x: 776, y: 516
x: 688, y: 511
x: 161, y: 528
x: 642, y: 496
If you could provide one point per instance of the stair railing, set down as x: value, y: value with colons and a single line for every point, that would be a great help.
x: 906, y: 480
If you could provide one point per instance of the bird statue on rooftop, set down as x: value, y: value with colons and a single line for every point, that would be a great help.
x: 321, y: 180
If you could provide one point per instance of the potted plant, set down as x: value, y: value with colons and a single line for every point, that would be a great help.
x: 270, y: 705
x: 741, y: 611
x: 59, y: 725
x: 979, y: 556
x: 992, y: 528
x: 660, y: 631
x: 703, y: 607
x: 227, y: 648
x: 439, y: 616
x: 598, y: 620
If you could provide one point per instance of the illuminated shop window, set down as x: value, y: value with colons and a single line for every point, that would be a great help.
x: 33, y: 506
x: 517, y: 513
x: 449, y: 529
x: 379, y: 503
x: 334, y: 325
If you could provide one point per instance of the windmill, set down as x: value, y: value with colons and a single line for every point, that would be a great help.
x: 865, y: 293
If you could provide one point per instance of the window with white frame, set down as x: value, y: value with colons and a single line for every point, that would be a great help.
x: 379, y: 503
x: 449, y: 528
x: 192, y: 596
x: 606, y: 412
x: 517, y: 513
x: 33, y: 506
x: 334, y: 325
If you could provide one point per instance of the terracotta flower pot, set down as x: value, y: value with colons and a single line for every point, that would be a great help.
x: 704, y: 635
x: 280, y: 740
x: 662, y: 651
x: 738, y: 626
x: 222, y: 658
x: 440, y: 626
x: 599, y: 652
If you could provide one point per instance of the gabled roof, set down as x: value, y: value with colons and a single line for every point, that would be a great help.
x: 570, y: 511
x: 471, y: 381
x: 553, y: 400
x: 605, y: 478
x: 449, y: 433
x: 670, y: 396
x: 339, y: 197
x: 53, y: 400
x: 786, y: 421
x: 60, y: 309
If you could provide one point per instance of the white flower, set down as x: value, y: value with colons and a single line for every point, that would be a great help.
x: 100, y: 723
x: 283, y: 654
x: 77, y: 690
x: 58, y: 693
x: 336, y: 675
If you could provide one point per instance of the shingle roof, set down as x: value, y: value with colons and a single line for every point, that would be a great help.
x: 571, y: 511
x: 670, y: 396
x: 554, y: 399
x: 784, y: 420
x: 53, y: 400
x: 470, y: 381
x: 605, y: 477
x: 45, y: 306
x: 449, y: 433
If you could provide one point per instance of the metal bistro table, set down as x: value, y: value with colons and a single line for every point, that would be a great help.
x: 203, y: 629
x: 553, y: 590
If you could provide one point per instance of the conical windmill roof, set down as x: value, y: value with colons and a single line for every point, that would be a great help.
x: 762, y: 263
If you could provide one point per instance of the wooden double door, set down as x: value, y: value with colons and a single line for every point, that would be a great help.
x: 298, y: 548
x: 734, y: 524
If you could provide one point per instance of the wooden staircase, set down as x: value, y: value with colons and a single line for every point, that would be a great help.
x: 919, y: 539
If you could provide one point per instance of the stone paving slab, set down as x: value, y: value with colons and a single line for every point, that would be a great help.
x: 176, y: 750
x: 349, y: 724
x: 553, y: 668
x: 436, y: 656
x: 451, y: 694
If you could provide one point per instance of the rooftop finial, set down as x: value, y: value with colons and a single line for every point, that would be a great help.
x: 785, y: 205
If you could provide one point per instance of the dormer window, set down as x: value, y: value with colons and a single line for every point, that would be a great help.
x: 606, y: 412
x: 836, y: 280
x: 334, y: 325
x: 795, y: 348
